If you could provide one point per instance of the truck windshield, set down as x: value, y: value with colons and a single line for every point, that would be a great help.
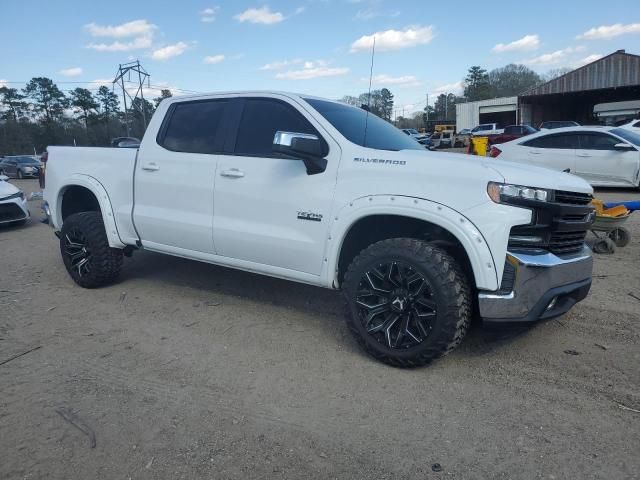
x: 351, y: 121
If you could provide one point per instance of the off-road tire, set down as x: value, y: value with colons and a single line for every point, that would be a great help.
x: 451, y: 292
x: 105, y: 262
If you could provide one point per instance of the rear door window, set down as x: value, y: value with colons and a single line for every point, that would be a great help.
x: 194, y: 127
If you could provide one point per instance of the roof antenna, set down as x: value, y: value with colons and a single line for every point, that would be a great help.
x: 366, y: 120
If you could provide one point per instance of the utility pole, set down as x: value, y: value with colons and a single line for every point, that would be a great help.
x: 143, y: 76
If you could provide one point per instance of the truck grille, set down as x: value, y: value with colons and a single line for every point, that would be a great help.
x: 559, y: 226
x: 573, y: 198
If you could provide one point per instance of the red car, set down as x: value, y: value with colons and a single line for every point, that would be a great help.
x: 511, y: 133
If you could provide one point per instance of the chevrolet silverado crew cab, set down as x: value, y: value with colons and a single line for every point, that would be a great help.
x: 319, y: 192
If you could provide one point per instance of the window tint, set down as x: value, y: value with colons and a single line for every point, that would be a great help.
x: 636, y: 125
x: 192, y: 127
x: 561, y: 141
x: 628, y: 135
x: 597, y: 141
x: 261, y: 119
x: 353, y: 122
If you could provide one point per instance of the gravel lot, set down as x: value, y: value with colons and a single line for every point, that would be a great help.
x: 187, y: 370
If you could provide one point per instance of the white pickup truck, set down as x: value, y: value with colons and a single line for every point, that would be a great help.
x: 316, y: 191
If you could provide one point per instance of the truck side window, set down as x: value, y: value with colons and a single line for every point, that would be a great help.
x: 261, y: 119
x: 192, y: 127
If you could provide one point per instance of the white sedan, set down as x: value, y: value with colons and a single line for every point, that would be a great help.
x: 13, y: 204
x: 603, y: 156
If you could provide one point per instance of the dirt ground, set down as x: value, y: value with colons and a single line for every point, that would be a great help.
x: 187, y: 370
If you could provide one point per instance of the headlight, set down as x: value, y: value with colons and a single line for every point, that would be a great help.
x: 28, y: 169
x: 501, y: 192
x: 19, y: 195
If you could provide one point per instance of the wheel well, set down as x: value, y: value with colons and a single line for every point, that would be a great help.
x: 374, y: 228
x: 77, y: 199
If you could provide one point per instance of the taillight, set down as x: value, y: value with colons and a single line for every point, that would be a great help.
x: 41, y: 172
x: 494, y: 152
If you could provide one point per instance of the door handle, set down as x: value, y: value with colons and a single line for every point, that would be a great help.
x: 232, y: 173
x: 534, y: 152
x: 584, y: 155
x: 150, y: 167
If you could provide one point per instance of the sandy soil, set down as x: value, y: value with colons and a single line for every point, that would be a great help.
x: 187, y: 370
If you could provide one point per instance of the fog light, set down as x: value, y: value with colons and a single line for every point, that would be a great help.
x: 552, y: 303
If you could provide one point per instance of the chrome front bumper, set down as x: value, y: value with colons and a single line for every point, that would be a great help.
x: 544, y: 286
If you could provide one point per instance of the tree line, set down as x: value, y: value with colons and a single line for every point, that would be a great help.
x: 41, y: 114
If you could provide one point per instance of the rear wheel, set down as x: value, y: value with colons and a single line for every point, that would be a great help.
x: 409, y: 301
x: 86, y: 253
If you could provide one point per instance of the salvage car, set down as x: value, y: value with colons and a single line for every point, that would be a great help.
x: 20, y: 166
x: 603, y: 156
x: 319, y: 192
x: 13, y: 204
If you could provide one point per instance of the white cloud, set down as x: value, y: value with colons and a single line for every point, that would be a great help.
x: 3, y: 82
x: 402, y: 81
x: 456, y: 88
x: 169, y: 51
x: 528, y: 42
x: 140, y: 33
x: 279, y: 65
x: 117, y: 46
x: 136, y: 28
x: 260, y: 15
x: 552, y: 58
x: 213, y: 59
x: 71, y: 72
x: 299, y: 10
x: 208, y: 15
x: 588, y: 59
x: 610, y: 31
x: 394, y: 39
x: 309, y: 70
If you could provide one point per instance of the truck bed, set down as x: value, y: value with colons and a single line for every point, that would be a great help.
x: 111, y: 167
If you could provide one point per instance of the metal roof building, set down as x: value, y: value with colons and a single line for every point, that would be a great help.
x: 573, y: 96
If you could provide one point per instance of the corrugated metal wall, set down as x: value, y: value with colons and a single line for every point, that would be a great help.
x: 615, y: 70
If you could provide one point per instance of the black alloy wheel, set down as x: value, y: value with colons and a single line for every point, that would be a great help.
x: 78, y: 252
x: 395, y: 305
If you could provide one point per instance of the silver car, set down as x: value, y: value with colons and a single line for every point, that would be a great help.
x: 20, y: 166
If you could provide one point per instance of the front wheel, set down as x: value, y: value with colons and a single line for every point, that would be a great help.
x: 409, y: 301
x: 86, y: 253
x: 20, y: 175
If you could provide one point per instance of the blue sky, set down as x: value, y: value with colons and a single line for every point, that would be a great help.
x: 320, y: 47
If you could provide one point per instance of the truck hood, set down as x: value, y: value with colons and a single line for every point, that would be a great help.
x: 7, y: 189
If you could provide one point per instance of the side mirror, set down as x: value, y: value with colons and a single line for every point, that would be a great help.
x: 623, y: 146
x: 302, y: 146
x: 3, y: 178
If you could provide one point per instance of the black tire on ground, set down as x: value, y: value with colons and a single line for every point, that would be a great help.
x: 605, y: 246
x: 19, y: 174
x: 85, y: 250
x: 438, y: 305
x: 621, y: 236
